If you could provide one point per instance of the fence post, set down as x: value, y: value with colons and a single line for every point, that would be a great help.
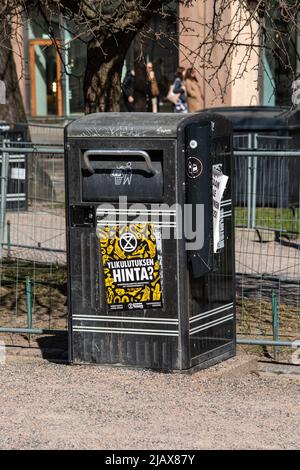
x: 8, y: 238
x: 299, y: 212
x: 249, y: 191
x: 275, y: 323
x: 254, y: 184
x: 28, y: 302
x: 249, y: 181
x: 4, y: 180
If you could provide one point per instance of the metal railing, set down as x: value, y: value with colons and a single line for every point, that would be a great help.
x: 267, y: 250
x: 32, y: 239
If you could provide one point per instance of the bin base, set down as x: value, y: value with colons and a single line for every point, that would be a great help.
x: 217, y: 356
x: 212, y: 361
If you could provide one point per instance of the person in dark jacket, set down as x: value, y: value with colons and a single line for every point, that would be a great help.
x: 128, y: 87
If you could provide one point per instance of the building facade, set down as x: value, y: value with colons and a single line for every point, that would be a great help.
x: 51, y: 79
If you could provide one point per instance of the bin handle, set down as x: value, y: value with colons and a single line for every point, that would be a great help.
x: 126, y: 153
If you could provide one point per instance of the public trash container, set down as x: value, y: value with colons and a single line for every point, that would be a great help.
x: 150, y: 241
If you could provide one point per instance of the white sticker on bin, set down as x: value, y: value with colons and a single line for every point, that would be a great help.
x: 219, y: 185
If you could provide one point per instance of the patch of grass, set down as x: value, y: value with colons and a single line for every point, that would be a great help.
x: 254, y: 320
x: 270, y: 217
x: 254, y: 317
x: 48, y: 294
x: 44, y: 273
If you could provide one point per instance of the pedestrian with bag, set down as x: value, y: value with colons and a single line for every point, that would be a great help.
x: 152, y: 90
x: 179, y: 89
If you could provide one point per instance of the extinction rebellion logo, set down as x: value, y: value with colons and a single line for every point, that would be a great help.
x: 128, y: 242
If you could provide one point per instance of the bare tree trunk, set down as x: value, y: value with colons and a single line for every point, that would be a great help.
x: 113, y: 24
x: 13, y: 110
x: 102, y: 81
x: 140, y: 102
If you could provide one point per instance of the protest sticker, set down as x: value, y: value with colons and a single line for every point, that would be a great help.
x: 132, y: 264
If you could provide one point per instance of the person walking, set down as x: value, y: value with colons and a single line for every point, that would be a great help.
x: 128, y: 87
x: 195, y: 98
x: 181, y: 104
x: 152, y: 90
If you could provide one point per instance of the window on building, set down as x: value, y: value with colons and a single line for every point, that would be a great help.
x: 56, y: 77
x: 44, y: 68
x: 45, y: 78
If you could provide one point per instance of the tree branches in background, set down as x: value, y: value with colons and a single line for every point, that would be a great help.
x: 258, y: 35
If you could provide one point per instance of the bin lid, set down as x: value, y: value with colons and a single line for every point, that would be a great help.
x: 135, y: 125
x: 252, y: 118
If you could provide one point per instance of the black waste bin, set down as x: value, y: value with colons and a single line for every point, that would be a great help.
x: 15, y: 136
x: 150, y: 240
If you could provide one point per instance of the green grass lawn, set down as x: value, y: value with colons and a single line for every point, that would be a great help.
x: 270, y: 217
x: 48, y: 294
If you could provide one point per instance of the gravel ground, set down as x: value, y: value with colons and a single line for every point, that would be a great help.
x: 230, y: 406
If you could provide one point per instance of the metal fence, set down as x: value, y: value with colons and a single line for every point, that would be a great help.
x: 32, y: 238
x: 45, y: 133
x: 267, y: 237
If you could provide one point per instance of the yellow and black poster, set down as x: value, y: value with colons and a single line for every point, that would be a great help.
x: 131, y: 257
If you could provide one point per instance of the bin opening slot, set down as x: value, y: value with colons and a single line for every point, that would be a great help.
x: 112, y: 173
x: 117, y: 153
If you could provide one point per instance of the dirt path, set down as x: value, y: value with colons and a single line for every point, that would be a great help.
x: 53, y: 406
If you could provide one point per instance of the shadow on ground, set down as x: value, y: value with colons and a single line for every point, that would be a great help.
x: 54, y: 348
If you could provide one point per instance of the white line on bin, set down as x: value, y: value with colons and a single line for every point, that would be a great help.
x: 213, y: 311
x: 211, y: 324
x: 124, y: 319
x: 130, y: 331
